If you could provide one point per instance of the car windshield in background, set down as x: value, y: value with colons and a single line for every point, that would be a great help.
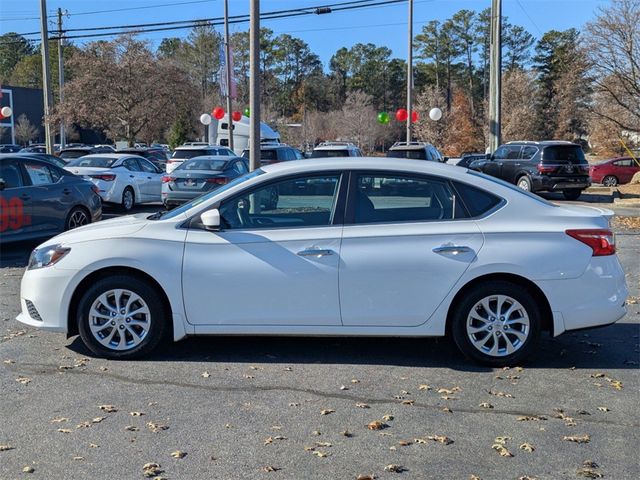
x: 188, y: 153
x: 74, y: 153
x: 271, y: 154
x: 330, y: 153
x: 412, y: 154
x: 96, y: 162
x: 194, y: 164
x: 563, y: 152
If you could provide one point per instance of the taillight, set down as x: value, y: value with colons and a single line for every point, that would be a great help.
x: 542, y: 168
x: 217, y: 181
x: 167, y: 179
x: 106, y: 177
x: 602, y: 242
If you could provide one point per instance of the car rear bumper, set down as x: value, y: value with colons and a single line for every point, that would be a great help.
x: 544, y: 182
x: 596, y: 298
x: 178, y: 198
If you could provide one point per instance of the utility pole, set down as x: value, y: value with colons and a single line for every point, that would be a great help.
x: 495, y: 72
x: 227, y: 49
x: 63, y: 140
x: 46, y: 76
x: 254, y: 86
x: 410, y: 73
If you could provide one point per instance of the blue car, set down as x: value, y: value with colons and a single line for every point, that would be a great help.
x: 39, y: 199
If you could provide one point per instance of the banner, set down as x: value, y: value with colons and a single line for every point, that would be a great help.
x: 222, y: 73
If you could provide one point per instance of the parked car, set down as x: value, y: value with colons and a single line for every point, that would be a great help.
x: 455, y: 251
x: 539, y: 166
x: 39, y: 199
x: 70, y: 153
x: 121, y: 178
x: 9, y: 148
x: 415, y: 151
x: 44, y: 157
x: 336, y: 149
x: 185, y: 152
x: 275, y: 153
x: 468, y: 158
x: 34, y: 149
x: 157, y: 156
x: 615, y: 171
x: 200, y: 175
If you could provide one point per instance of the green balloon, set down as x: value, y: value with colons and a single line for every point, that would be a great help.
x: 246, y: 112
x: 383, y: 118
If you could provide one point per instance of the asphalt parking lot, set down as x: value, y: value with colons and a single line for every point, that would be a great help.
x: 302, y: 408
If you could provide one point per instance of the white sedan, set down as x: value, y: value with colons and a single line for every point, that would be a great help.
x: 360, y: 246
x: 123, y: 179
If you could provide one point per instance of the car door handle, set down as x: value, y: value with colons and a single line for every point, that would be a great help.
x: 314, y: 252
x: 66, y: 191
x: 148, y: 178
x: 452, y: 249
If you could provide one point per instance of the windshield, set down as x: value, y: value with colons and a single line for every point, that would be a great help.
x: 96, y: 162
x: 511, y: 186
x: 412, y: 154
x: 329, y: 153
x: 189, y: 153
x: 203, y: 198
x: 203, y: 164
x: 572, y: 153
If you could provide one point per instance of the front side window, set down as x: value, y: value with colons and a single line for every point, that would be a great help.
x: 132, y: 164
x: 147, y: 166
x: 39, y: 174
x: 403, y: 198
x: 295, y: 202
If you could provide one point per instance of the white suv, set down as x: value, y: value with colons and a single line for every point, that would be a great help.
x: 415, y: 151
x: 336, y: 149
x: 187, y: 151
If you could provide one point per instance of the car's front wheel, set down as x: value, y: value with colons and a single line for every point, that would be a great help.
x: 121, y: 317
x: 497, y: 323
x: 572, y: 194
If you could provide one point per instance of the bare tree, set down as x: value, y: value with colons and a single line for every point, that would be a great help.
x: 24, y: 130
x: 358, y: 122
x: 426, y: 129
x: 613, y: 46
x: 519, y: 95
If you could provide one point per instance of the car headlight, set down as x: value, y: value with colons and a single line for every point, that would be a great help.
x: 46, y: 256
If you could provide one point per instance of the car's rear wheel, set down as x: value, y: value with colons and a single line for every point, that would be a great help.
x: 497, y: 323
x: 610, y: 181
x: 128, y: 199
x: 77, y: 217
x: 572, y: 194
x: 524, y: 183
x: 121, y: 317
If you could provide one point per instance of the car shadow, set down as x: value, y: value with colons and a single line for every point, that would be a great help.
x: 16, y: 255
x: 612, y: 347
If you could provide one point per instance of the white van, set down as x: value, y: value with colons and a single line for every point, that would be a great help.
x: 219, y: 129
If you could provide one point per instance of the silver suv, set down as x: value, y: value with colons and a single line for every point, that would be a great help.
x: 336, y: 149
x: 416, y: 151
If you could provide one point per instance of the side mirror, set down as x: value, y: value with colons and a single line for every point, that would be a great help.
x: 445, y: 160
x: 2, y: 184
x: 211, y: 219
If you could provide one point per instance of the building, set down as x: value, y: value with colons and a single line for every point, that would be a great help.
x: 27, y: 101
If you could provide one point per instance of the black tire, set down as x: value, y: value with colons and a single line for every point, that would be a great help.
x: 126, y: 204
x: 463, y: 338
x: 77, y: 217
x: 572, y: 194
x: 523, y: 183
x: 610, y: 181
x: 158, y: 328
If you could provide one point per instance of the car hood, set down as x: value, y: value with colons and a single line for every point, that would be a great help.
x: 112, y: 228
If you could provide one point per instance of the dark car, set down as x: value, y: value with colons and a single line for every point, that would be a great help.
x: 77, y: 152
x: 38, y: 199
x: 44, y: 157
x: 615, y: 171
x: 415, y: 151
x: 157, y: 156
x: 468, y: 158
x: 275, y: 153
x: 199, y: 175
x: 549, y: 166
x: 9, y: 148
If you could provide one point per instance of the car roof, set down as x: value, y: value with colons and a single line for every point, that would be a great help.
x: 335, y: 146
x: 215, y: 157
x: 198, y: 147
x: 544, y: 143
x: 117, y: 156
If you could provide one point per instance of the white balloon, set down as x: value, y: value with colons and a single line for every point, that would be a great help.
x: 6, y: 111
x: 205, y: 119
x: 435, y: 114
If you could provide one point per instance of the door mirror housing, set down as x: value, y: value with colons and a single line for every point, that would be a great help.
x: 211, y: 219
x: 2, y: 184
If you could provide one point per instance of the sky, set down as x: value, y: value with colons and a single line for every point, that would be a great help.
x: 383, y: 26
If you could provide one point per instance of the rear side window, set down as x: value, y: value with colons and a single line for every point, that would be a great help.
x: 329, y: 153
x: 528, y: 152
x: 10, y: 173
x: 572, y: 153
x: 411, y: 154
x: 477, y: 201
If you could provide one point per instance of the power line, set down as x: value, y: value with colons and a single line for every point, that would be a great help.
x: 529, y: 17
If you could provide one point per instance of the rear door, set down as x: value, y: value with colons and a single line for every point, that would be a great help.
x: 624, y: 170
x: 153, y: 180
x: 15, y: 202
x: 51, y: 198
x: 138, y: 178
x: 405, y: 244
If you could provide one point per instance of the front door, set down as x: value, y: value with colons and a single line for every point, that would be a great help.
x: 15, y: 202
x: 275, y: 260
x: 404, y: 250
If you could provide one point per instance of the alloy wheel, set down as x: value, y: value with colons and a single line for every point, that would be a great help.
x: 119, y: 319
x: 610, y: 181
x: 498, y: 325
x: 127, y: 199
x: 523, y: 184
x: 78, y: 218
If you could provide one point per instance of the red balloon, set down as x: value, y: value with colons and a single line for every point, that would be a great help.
x: 237, y: 116
x: 218, y: 113
x: 402, y: 115
x: 1, y: 116
x: 414, y: 116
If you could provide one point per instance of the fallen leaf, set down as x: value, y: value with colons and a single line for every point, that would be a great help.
x: 178, y: 454
x: 502, y: 450
x: 346, y: 433
x: 8, y: 361
x: 377, y: 425
x: 355, y: 380
x: 131, y: 428
x: 502, y: 440
x: 156, y: 427
x: 365, y: 477
x: 83, y: 425
x: 151, y: 469
x: 342, y: 387
x: 23, y: 380
x: 78, y: 458
x: 578, y: 438
x: 499, y: 394
x: 136, y: 414
x: 424, y: 386
x: 441, y: 438
x: 93, y: 445
x: 534, y: 418
x: 108, y: 408
x: 408, y: 402
x: 326, y: 411
x: 604, y: 409
x: 420, y: 440
x: 28, y: 469
x: 4, y: 448
x: 394, y: 468
x: 294, y: 404
x: 248, y: 377
x: 485, y: 405
x: 597, y: 375
x: 59, y: 420
x: 447, y: 410
x: 320, y: 454
x: 64, y: 430
x: 474, y: 477
x: 387, y: 418
x: 527, y: 447
x: 270, y: 468
x: 526, y: 477
x: 362, y: 405
x: 404, y: 443
x: 316, y: 433
x: 323, y: 444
